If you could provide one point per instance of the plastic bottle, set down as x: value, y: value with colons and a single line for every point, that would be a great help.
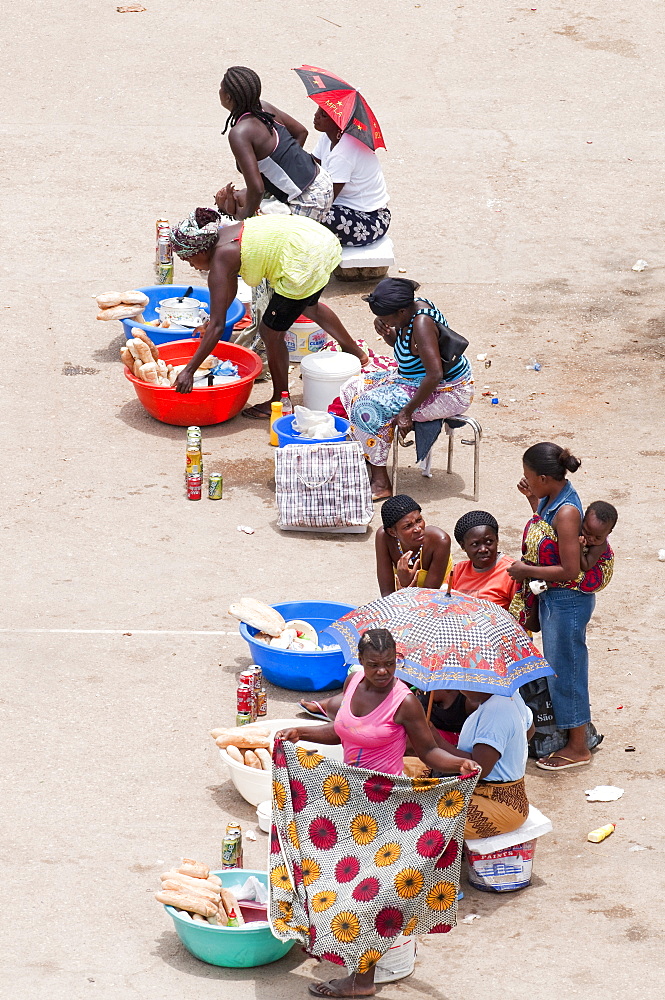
x: 534, y: 365
x: 275, y: 414
x: 287, y: 405
x: 233, y: 919
x: 596, y: 836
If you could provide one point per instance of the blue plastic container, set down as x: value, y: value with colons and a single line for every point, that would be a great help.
x: 231, y: 947
x: 286, y: 435
x: 156, y: 293
x: 301, y: 671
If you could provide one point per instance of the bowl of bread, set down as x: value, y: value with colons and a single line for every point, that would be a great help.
x: 246, y: 752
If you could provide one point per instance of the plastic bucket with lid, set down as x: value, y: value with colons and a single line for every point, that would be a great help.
x: 304, y: 338
x: 323, y: 375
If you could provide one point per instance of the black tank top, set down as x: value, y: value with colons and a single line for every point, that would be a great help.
x: 449, y: 719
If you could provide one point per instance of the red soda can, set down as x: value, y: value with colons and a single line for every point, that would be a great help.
x: 246, y: 677
x: 194, y: 484
x: 244, y: 696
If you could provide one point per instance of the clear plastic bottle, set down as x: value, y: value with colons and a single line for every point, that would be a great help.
x: 287, y: 405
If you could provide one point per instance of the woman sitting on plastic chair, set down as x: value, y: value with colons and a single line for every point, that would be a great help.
x: 433, y: 379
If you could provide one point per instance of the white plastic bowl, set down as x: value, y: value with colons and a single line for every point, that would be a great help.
x: 256, y: 786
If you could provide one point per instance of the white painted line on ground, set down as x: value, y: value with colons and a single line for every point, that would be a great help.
x: 113, y: 631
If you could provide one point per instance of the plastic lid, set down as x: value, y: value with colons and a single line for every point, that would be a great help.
x: 330, y: 365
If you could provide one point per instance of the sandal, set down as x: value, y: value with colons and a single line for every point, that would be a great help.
x: 544, y: 766
x: 255, y: 413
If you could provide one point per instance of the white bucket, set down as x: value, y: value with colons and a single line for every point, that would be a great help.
x: 502, y: 871
x: 398, y: 963
x: 323, y: 375
x: 304, y: 338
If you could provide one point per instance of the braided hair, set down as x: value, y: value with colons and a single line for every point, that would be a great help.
x: 243, y: 86
x: 378, y: 639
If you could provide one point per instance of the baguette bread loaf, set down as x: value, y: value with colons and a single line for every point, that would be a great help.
x: 212, y: 882
x: 175, y: 885
x: 194, y: 868
x: 251, y: 760
x: 142, y: 335
x: 162, y: 370
x: 134, y: 298
x: 133, y: 346
x: 127, y: 357
x: 149, y: 373
x: 264, y: 757
x: 187, y: 901
x: 235, y: 754
x: 138, y: 365
x: 198, y: 919
x: 119, y: 312
x: 244, y: 737
x: 228, y: 903
x: 258, y: 615
x: 109, y: 299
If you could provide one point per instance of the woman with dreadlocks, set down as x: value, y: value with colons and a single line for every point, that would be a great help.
x: 295, y: 255
x: 267, y: 145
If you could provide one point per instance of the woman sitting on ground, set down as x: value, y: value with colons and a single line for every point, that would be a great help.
x: 267, y: 145
x: 410, y: 553
x: 359, y: 215
x: 485, y: 573
x: 433, y: 379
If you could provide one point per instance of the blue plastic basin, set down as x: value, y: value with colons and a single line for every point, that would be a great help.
x: 301, y: 671
x: 286, y: 435
x: 156, y: 293
x: 231, y: 947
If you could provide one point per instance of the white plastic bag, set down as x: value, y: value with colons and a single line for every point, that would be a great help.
x: 313, y: 423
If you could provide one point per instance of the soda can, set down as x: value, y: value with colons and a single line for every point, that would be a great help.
x: 215, y: 486
x: 244, y: 718
x: 244, y: 699
x: 194, y: 463
x: 194, y: 487
x: 247, y: 677
x: 232, y: 851
x: 164, y: 251
x: 261, y: 704
x: 194, y: 432
x: 164, y: 274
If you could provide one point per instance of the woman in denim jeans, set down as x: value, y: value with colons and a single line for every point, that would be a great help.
x: 564, y: 610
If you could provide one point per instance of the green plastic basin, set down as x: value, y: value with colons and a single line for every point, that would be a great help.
x: 231, y: 947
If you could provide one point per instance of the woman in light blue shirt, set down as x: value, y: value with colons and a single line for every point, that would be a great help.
x: 495, y: 736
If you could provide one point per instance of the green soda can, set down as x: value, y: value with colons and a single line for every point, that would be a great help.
x: 215, y: 486
x: 243, y: 718
x: 164, y: 275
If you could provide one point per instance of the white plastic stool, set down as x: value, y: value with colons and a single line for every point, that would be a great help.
x: 451, y: 424
x: 366, y: 263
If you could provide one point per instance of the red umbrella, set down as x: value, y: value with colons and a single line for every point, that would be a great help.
x: 343, y: 103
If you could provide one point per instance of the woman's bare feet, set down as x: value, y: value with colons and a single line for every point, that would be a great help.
x: 379, y: 482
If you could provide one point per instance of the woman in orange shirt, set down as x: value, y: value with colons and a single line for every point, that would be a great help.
x: 484, y: 574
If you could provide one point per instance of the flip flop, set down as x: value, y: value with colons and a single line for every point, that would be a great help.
x: 329, y: 991
x: 379, y: 499
x: 315, y: 715
x: 254, y: 413
x: 562, y: 767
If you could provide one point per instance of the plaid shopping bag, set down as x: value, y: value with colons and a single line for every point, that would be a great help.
x: 322, y: 486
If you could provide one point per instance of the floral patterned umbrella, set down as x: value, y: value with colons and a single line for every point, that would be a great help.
x: 448, y: 641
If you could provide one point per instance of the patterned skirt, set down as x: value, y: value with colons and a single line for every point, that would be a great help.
x: 356, y: 229
x: 373, y: 399
x: 496, y: 809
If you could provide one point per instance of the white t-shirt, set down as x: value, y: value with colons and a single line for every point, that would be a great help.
x: 354, y: 165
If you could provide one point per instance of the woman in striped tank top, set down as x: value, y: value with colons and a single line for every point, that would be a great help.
x: 425, y: 385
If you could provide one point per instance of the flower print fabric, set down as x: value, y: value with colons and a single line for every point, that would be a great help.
x: 358, y: 858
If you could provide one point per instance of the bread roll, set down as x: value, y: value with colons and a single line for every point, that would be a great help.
x: 185, y: 901
x: 265, y: 759
x: 214, y: 880
x: 251, y: 760
x: 209, y: 363
x: 198, y: 919
x: 228, y: 903
x: 194, y: 868
x: 217, y: 920
x: 245, y: 737
x: 235, y: 754
x: 161, y: 367
x: 142, y: 351
x: 152, y: 347
x: 127, y: 357
x: 134, y: 298
x: 138, y: 365
x: 119, y: 312
x: 184, y: 914
x: 216, y: 732
x: 109, y: 299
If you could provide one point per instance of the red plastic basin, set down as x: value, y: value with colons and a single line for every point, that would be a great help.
x: 205, y: 405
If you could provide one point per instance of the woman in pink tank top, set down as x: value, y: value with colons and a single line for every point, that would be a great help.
x: 376, y: 714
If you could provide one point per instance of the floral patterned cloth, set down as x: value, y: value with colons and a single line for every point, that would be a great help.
x: 354, y: 228
x: 358, y: 858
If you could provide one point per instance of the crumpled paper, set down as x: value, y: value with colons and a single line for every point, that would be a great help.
x: 604, y: 793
